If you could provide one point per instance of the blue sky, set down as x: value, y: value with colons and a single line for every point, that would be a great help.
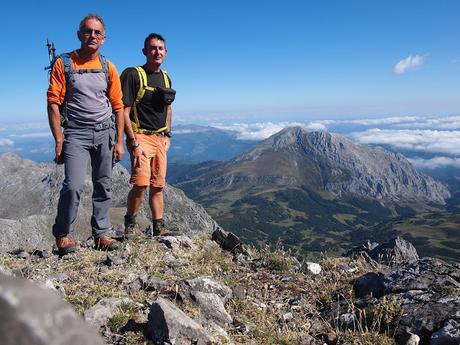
x: 255, y: 60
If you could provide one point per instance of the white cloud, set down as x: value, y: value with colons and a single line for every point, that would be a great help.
x: 33, y: 135
x: 23, y: 126
x: 6, y: 142
x: 383, y: 121
x: 263, y: 130
x: 436, y: 162
x: 409, y: 63
x: 438, y: 122
x: 190, y: 130
x: 434, y: 141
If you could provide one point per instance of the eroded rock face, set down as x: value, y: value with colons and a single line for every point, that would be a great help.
x: 26, y: 219
x: 31, y: 315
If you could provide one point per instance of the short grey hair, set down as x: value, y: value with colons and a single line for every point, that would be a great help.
x: 91, y: 16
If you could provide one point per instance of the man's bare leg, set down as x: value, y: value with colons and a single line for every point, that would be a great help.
x: 135, y: 199
x: 156, y: 202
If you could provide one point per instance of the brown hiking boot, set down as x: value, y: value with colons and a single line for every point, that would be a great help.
x: 156, y: 228
x: 65, y: 245
x: 105, y: 243
x: 131, y: 227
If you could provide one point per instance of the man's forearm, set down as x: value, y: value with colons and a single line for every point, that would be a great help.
x: 54, y: 119
x: 128, y: 128
x: 119, y: 125
x: 168, y: 118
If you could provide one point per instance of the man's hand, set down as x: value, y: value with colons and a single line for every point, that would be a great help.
x: 58, y: 156
x: 137, y: 155
x: 118, y: 152
x: 166, y: 143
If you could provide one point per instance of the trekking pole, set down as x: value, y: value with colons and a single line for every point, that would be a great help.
x: 51, y: 54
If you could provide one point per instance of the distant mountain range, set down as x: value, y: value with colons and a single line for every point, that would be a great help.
x: 314, y: 191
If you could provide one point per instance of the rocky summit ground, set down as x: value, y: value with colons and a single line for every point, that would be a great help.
x: 214, y: 290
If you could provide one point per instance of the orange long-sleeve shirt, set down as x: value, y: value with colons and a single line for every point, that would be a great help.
x: 57, y: 87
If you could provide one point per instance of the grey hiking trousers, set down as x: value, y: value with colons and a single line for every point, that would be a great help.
x: 81, y: 144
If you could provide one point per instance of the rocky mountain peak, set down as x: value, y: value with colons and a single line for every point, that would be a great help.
x: 342, y: 167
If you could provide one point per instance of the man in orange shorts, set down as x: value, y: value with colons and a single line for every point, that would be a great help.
x: 147, y: 98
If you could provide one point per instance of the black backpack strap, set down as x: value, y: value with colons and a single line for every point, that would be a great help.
x: 67, y: 64
x: 105, y: 69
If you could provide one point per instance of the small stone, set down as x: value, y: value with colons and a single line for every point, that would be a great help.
x: 60, y: 277
x: 113, y: 259
x: 313, y: 267
x: 238, y: 292
x: 287, y: 316
x: 241, y: 327
x: 296, y: 308
x: 103, y: 310
x: 23, y: 255
x: 414, y: 339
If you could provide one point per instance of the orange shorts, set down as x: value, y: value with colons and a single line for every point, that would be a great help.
x: 152, y: 168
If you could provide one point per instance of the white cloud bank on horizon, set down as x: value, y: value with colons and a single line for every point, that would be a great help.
x: 6, y: 142
x: 33, y: 135
x: 433, y: 141
x: 435, y: 162
x: 409, y: 63
x: 437, y: 122
x: 263, y: 130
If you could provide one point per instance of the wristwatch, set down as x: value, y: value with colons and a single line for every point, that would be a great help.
x: 168, y: 134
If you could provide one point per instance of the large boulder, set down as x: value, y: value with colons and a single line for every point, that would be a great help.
x: 31, y: 315
x: 397, y: 251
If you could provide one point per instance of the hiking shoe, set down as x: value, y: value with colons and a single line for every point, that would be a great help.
x: 65, y: 245
x: 156, y: 228
x: 105, y: 243
x: 131, y: 227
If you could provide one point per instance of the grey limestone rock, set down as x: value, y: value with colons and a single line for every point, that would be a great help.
x: 167, y: 323
x: 422, y: 288
x: 177, y: 242
x: 395, y: 252
x: 31, y: 315
x: 103, y: 310
x: 207, y: 285
x: 448, y: 335
x: 212, y: 307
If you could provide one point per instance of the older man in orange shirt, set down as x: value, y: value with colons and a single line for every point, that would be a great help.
x: 85, y: 98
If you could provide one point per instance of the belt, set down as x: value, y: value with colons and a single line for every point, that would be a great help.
x: 106, y: 124
x: 146, y: 131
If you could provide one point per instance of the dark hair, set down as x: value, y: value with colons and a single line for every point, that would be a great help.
x: 153, y: 35
x: 91, y: 16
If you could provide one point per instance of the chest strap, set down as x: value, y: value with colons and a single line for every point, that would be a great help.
x: 143, y: 87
